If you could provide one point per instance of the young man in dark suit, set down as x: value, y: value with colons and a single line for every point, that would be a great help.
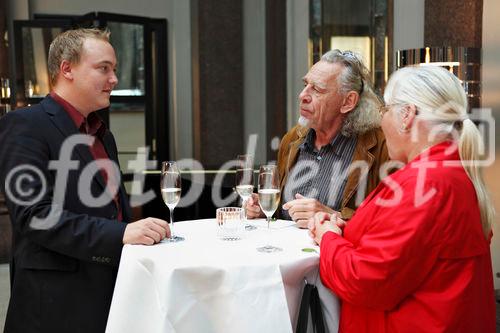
x: 69, y: 210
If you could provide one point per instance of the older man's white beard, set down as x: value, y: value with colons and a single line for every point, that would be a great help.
x: 303, y: 121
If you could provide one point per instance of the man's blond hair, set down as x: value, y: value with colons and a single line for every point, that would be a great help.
x: 68, y: 46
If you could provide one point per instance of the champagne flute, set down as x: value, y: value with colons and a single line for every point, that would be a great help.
x: 170, y: 185
x: 269, y: 198
x: 244, y: 179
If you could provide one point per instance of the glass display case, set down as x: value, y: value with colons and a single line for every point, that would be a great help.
x: 464, y: 62
x: 138, y: 115
x: 364, y: 27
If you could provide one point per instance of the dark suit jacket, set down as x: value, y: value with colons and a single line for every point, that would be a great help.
x: 62, y: 278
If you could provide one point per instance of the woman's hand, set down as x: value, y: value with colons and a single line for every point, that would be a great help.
x: 324, y: 222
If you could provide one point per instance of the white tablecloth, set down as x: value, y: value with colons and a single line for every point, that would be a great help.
x: 205, y: 284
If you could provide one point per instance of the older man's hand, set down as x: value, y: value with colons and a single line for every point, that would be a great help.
x: 301, y: 209
x: 252, y: 207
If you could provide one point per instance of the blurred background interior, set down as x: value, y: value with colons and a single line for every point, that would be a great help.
x: 198, y: 77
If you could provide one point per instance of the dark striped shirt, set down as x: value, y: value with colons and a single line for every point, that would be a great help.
x: 322, y: 174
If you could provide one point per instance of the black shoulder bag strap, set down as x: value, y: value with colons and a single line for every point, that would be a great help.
x: 310, y: 300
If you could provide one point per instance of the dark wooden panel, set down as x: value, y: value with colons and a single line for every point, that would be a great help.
x: 275, y: 72
x: 5, y: 232
x: 453, y: 23
x: 4, y: 54
x: 217, y: 45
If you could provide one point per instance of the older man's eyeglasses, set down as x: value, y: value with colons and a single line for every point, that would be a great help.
x: 349, y: 54
x: 385, y: 108
x: 352, y: 60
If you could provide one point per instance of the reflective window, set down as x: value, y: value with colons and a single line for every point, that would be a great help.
x: 36, y: 41
x: 356, y: 25
x: 127, y: 122
x: 128, y: 42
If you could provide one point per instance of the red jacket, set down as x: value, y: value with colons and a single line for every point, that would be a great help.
x: 419, y: 263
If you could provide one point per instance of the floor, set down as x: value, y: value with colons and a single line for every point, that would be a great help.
x: 4, y: 296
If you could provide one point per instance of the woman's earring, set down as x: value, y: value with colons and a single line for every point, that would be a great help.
x: 403, y: 129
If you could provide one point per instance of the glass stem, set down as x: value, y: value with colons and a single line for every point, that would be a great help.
x: 244, y: 206
x: 171, y: 222
x: 269, y: 237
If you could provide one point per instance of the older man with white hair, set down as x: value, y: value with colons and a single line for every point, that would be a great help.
x: 337, y: 148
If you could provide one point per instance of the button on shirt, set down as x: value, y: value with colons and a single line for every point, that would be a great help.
x: 322, y: 174
x: 94, y: 126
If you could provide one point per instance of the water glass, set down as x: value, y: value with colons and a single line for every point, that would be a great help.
x: 230, y: 223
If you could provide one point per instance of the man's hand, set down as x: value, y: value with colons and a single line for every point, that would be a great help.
x: 302, y: 209
x: 253, y: 208
x: 147, y: 231
x: 323, y: 222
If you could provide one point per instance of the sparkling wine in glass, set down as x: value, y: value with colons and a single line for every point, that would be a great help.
x: 244, y: 179
x: 170, y: 185
x: 269, y: 198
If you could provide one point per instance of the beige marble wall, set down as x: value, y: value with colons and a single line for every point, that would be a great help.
x: 491, y: 99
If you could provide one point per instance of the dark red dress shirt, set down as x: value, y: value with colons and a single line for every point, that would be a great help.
x: 94, y: 126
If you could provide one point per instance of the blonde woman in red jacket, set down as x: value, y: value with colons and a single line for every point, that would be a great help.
x: 416, y: 255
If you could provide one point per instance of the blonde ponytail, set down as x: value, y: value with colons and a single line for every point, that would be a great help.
x: 470, y: 146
